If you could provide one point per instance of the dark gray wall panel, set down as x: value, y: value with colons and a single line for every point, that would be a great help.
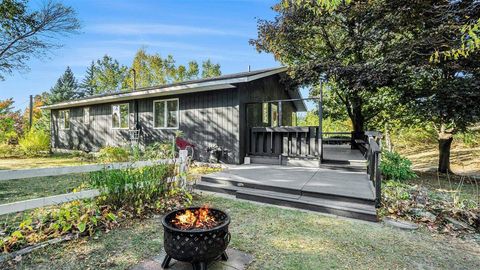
x: 206, y: 119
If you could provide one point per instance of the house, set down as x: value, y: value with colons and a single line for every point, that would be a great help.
x: 218, y: 111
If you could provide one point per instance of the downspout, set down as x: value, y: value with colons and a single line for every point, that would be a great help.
x: 135, y: 110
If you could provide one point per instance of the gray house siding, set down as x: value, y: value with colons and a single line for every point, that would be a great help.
x: 206, y: 119
x: 266, y: 89
x: 209, y: 118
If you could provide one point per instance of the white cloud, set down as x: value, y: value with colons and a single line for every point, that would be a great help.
x: 158, y: 29
x: 155, y: 44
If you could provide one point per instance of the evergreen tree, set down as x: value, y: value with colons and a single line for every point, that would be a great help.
x: 89, y: 85
x: 65, y: 89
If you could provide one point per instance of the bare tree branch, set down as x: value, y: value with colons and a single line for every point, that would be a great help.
x: 24, y: 34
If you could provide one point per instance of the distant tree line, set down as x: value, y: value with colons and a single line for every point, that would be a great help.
x: 107, y: 75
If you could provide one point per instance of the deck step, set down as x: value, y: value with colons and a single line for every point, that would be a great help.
x: 327, y: 203
x: 229, y: 184
x: 344, y: 167
x: 348, y: 165
x: 343, y: 209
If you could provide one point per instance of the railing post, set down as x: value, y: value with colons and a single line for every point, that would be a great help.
x: 378, y: 181
x: 352, y: 140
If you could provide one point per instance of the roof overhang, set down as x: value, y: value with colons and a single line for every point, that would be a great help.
x: 298, y: 101
x: 165, y: 90
x: 135, y: 95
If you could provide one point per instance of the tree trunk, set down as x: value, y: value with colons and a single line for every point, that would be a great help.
x: 358, y: 121
x: 444, y: 144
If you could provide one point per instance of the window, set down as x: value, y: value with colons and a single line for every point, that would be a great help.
x: 165, y: 113
x: 265, y: 112
x: 65, y: 119
x: 274, y: 115
x: 120, y: 115
x: 86, y: 115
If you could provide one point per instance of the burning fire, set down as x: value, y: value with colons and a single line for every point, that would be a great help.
x: 198, y: 219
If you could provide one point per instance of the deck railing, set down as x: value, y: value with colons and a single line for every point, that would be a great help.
x: 373, y: 155
x: 285, y: 141
x: 337, y: 138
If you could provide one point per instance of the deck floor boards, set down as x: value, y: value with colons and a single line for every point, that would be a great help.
x: 341, y: 153
x: 316, y: 180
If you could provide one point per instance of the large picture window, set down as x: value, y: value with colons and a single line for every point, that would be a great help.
x: 120, y: 113
x: 64, y: 119
x: 165, y: 113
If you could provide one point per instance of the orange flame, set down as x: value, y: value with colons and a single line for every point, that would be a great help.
x: 200, y: 218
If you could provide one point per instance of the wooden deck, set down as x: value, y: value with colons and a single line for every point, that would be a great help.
x: 339, y: 192
x: 342, y: 152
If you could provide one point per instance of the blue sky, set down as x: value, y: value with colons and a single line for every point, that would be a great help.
x: 189, y: 30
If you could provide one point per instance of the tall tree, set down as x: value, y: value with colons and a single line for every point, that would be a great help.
x: 109, y: 75
x: 210, y: 69
x: 445, y: 93
x: 152, y: 69
x: 193, y: 70
x: 11, y: 127
x: 88, y: 86
x: 65, y: 89
x: 341, y: 43
x: 25, y: 33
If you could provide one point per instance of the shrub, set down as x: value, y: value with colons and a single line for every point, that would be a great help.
x: 8, y: 150
x: 84, y: 156
x: 137, y: 188
x: 136, y: 152
x: 413, y: 137
x: 470, y: 138
x: 35, y: 142
x: 158, y: 151
x: 395, y: 167
x: 113, y: 154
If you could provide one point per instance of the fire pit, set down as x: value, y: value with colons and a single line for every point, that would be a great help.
x: 196, y: 235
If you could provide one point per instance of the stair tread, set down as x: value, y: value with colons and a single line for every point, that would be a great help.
x: 337, y: 204
x: 341, y: 205
x: 230, y: 181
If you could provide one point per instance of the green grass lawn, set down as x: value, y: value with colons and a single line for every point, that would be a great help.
x: 41, y: 162
x: 30, y: 188
x: 278, y: 238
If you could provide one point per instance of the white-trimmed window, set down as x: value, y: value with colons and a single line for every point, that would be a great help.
x: 64, y: 119
x: 120, y: 116
x: 86, y: 115
x: 165, y: 113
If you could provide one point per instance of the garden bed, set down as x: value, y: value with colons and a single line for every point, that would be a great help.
x: 446, y: 204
